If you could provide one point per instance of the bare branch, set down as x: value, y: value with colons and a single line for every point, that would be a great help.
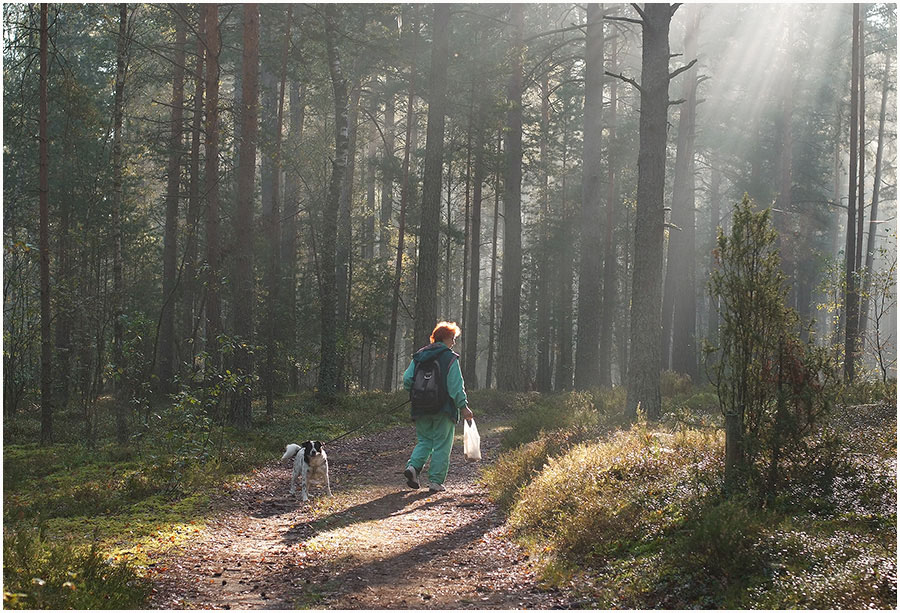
x: 626, y: 79
x: 678, y: 71
x: 549, y: 32
x: 639, y: 10
x: 679, y: 101
x: 628, y: 19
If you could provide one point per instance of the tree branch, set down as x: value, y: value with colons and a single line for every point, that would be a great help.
x: 626, y: 79
x: 639, y: 10
x: 557, y: 31
x: 628, y: 19
x: 678, y: 71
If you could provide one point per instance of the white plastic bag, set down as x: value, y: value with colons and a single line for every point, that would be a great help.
x: 471, y: 441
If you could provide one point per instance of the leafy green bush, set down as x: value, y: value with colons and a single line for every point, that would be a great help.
x: 40, y: 574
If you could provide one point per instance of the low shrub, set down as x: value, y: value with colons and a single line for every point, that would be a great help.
x: 604, y: 496
x: 585, y: 414
x: 40, y: 574
x: 514, y: 469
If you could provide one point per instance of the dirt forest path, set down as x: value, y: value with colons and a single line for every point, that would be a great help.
x: 376, y: 544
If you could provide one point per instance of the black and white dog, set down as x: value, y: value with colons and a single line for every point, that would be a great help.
x: 312, y: 464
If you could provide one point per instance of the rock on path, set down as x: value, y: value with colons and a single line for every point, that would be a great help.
x: 376, y: 544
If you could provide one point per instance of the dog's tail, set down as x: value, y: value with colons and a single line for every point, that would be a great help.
x: 290, y: 451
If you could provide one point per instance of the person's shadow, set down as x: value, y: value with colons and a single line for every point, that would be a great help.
x: 392, y: 504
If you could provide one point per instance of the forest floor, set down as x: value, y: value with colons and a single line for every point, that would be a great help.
x: 375, y: 544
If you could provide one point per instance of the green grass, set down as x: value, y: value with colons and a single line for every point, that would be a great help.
x: 635, y: 518
x: 101, y: 513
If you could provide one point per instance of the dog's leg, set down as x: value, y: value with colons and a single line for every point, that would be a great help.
x: 327, y: 478
x: 305, y: 483
x: 298, y: 461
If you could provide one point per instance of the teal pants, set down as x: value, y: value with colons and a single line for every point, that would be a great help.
x: 435, y: 439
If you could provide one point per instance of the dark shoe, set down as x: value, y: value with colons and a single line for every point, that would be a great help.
x: 436, y: 487
x: 412, y: 477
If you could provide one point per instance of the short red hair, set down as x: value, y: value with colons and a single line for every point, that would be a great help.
x: 445, y: 332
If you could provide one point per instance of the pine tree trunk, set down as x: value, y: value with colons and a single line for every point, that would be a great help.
x: 472, y: 319
x: 44, y: 246
x: 492, y: 311
x: 608, y: 307
x: 213, y: 312
x: 170, y: 234
x: 387, y: 178
x: 118, y: 276
x: 244, y: 295
x: 851, y: 295
x: 712, y: 325
x: 646, y: 303
x: 860, y: 205
x: 872, y: 243
x: 329, y: 359
x: 565, y: 368
x: 543, y: 375
x: 401, y: 233
x: 371, y: 159
x: 429, y: 231
x: 587, y: 358
x: 189, y: 300
x: 682, y: 243
x: 344, y: 213
x: 289, y: 239
x: 508, y: 367
x: 273, y: 233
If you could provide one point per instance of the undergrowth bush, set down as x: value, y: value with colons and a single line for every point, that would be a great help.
x: 600, y: 496
x: 42, y: 574
x: 584, y: 414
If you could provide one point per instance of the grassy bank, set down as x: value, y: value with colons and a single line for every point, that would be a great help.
x: 633, y: 516
x: 83, y: 523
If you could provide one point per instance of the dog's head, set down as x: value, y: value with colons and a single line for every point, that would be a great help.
x: 313, y: 448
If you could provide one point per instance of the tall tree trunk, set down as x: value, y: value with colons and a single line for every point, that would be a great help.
x: 273, y: 233
x: 872, y: 243
x: 401, y: 234
x: 608, y: 307
x: 448, y: 256
x: 371, y: 162
x: 565, y: 369
x: 241, y: 413
x: 646, y: 302
x: 387, y: 177
x: 429, y: 231
x: 189, y: 300
x: 715, y: 181
x: 508, y: 368
x: 118, y: 175
x: 345, y: 229
x: 587, y: 356
x: 44, y: 247
x: 543, y: 375
x: 851, y: 295
x: 289, y: 238
x: 860, y: 206
x: 471, y: 346
x: 213, y: 313
x: 329, y: 359
x: 492, y: 311
x: 170, y: 234
x: 680, y: 321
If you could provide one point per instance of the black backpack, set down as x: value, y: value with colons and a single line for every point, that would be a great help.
x: 428, y: 393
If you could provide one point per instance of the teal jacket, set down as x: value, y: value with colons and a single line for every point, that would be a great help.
x: 455, y: 387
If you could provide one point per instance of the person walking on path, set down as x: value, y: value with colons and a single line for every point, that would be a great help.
x: 435, y: 430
